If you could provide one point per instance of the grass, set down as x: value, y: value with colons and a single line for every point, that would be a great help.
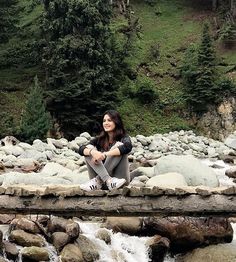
x: 167, y: 29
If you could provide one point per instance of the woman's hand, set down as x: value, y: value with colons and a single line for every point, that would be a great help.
x: 97, y: 156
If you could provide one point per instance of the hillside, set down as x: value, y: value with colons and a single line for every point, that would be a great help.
x: 164, y: 30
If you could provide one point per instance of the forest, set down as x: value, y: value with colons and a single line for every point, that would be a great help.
x: 63, y: 63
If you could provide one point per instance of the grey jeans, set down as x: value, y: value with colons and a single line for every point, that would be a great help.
x: 114, y: 166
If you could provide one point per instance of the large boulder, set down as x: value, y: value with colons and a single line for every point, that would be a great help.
x: 13, y: 178
x: 230, y: 141
x: 128, y: 225
x: 26, y: 225
x: 216, y: 253
x: 58, y: 224
x: 186, y: 233
x: 194, y: 171
x: 158, y: 247
x: 71, y: 253
x: 104, y: 235
x: 59, y: 240
x: 35, y: 253
x: 88, y: 248
x: 25, y: 239
x: 168, y: 180
x: 142, y: 171
x: 11, y: 250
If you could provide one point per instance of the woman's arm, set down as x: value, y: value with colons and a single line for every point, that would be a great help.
x: 122, y: 149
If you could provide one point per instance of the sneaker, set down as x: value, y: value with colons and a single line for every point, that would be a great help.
x: 92, y: 184
x: 115, y: 183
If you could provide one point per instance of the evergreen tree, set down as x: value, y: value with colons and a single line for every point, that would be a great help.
x: 83, y: 64
x: 200, y: 74
x: 35, y: 120
x: 6, y: 19
x: 206, y: 78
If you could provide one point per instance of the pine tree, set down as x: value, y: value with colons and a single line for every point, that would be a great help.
x: 6, y: 19
x: 83, y: 64
x: 200, y: 74
x: 207, y: 74
x: 35, y: 120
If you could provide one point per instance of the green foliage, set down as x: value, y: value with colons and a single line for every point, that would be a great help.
x: 227, y: 33
x: 146, y: 92
x: 6, y: 19
x: 199, y: 73
x: 7, y: 126
x: 35, y: 120
x: 226, y: 87
x: 83, y: 63
x: 202, y: 82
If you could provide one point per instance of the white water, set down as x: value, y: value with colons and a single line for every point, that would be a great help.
x: 123, y: 248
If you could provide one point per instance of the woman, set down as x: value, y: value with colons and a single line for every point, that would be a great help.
x: 106, y: 155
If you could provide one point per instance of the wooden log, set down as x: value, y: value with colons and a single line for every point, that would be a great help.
x: 119, y: 205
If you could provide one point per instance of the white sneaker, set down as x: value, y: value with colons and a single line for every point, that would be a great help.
x: 114, y: 182
x: 92, y: 184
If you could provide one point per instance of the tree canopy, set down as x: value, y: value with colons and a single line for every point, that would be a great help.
x: 83, y: 64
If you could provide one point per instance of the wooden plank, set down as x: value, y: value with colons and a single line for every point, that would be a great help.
x: 120, y: 205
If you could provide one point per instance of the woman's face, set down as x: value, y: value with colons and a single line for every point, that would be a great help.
x: 108, y: 124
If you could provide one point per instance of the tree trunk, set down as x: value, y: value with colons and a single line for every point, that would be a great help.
x: 214, y: 4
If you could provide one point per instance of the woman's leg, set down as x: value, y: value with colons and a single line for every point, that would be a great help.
x: 118, y: 166
x: 96, y: 169
x: 122, y: 169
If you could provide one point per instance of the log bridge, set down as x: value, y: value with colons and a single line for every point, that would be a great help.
x: 69, y: 201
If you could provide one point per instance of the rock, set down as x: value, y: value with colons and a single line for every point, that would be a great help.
x: 23, y: 238
x: 194, y: 171
x: 71, y: 253
x: 11, y: 250
x: 158, y: 246
x: 230, y: 141
x: 36, y: 155
x: 2, y: 167
x: 104, y: 235
x: 53, y: 169
x: 88, y: 248
x: 59, y: 240
x: 140, y: 171
x: 127, y: 225
x: 27, y: 164
x: 6, y: 219
x: 168, y: 180
x: 1, y: 239
x: 143, y: 140
x: 56, y: 143
x: 35, y: 253
x: 13, y: 178
x: 216, y: 253
x: 58, y: 224
x: 86, y: 135
x: 81, y: 140
x: 25, y: 146
x: 26, y: 225
x: 186, y: 233
x: 9, y: 141
x: 12, y: 150
x: 231, y: 172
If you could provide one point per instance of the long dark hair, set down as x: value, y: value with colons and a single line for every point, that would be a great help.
x: 118, y: 133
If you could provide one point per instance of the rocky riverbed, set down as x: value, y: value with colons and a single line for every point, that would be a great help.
x: 176, y: 155
x: 168, y: 160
